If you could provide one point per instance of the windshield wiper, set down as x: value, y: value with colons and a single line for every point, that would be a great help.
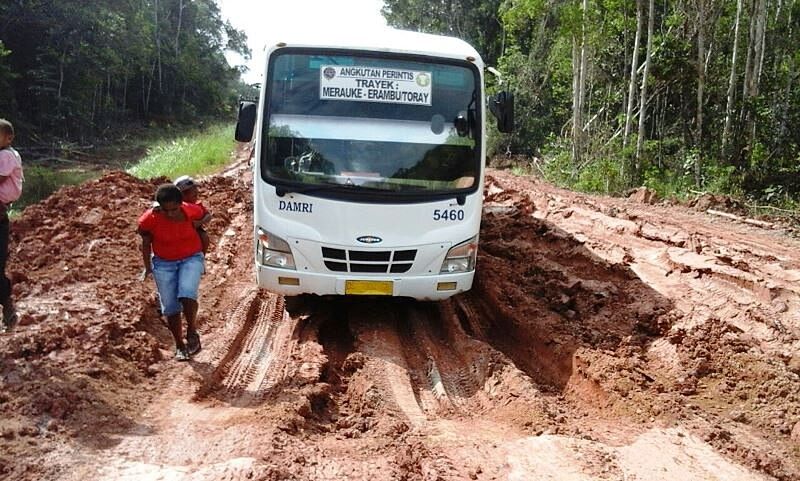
x: 281, y: 190
x: 365, y: 188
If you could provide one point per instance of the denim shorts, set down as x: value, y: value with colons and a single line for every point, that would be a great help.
x: 176, y: 280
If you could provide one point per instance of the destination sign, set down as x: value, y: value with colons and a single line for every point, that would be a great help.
x: 374, y: 84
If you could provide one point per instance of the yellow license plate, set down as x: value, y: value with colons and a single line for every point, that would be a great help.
x: 368, y: 288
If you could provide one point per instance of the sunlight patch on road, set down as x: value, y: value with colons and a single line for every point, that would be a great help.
x: 236, y: 468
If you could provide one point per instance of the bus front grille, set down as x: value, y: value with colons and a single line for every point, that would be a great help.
x: 372, y: 262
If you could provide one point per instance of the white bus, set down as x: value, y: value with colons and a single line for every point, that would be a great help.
x: 369, y: 164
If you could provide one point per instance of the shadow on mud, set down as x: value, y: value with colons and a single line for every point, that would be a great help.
x: 540, y: 296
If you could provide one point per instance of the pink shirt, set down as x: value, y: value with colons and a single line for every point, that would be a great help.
x: 11, y: 169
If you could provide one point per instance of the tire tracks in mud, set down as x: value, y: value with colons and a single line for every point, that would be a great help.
x: 418, y: 378
x: 447, y: 402
x: 743, y: 278
x: 421, y: 387
x: 246, y: 368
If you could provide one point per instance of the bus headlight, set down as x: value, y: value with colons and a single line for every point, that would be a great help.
x: 273, y: 251
x: 461, y: 258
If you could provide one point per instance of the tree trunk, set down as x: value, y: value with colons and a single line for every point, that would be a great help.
x: 790, y: 78
x: 643, y: 96
x: 579, y: 90
x: 61, y: 77
x: 178, y: 29
x: 701, y: 83
x: 109, y: 98
x: 575, y: 102
x: 761, y: 30
x: 124, y: 93
x: 726, y: 132
x: 756, y: 55
x: 158, y: 45
x: 95, y: 88
x: 149, y: 89
x: 787, y: 95
x: 634, y: 70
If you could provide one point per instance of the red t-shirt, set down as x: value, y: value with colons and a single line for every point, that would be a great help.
x: 173, y: 240
x: 200, y: 204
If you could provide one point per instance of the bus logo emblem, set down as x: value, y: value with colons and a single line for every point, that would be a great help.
x: 329, y: 73
x: 369, y: 239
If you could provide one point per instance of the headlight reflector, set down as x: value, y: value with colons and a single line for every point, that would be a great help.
x: 461, y: 258
x: 273, y: 251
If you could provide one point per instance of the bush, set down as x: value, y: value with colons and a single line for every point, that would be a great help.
x: 601, y: 176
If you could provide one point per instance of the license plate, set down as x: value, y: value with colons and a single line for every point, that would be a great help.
x: 368, y: 288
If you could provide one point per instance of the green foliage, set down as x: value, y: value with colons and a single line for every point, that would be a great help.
x: 602, y: 175
x: 668, y: 183
x: 765, y: 140
x: 673, y: 175
x: 80, y: 68
x: 474, y: 21
x: 196, y: 154
x: 721, y: 179
x: 557, y: 165
x: 667, y: 169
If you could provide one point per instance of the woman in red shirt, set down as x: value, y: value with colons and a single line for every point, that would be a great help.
x: 173, y: 253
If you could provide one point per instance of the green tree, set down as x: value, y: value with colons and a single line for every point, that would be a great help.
x: 78, y: 68
x: 475, y: 21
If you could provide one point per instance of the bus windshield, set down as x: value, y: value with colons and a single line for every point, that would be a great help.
x: 370, y: 123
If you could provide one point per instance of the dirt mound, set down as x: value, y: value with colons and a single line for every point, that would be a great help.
x: 643, y: 195
x: 698, y: 321
x: 89, y: 334
x: 718, y: 202
x: 81, y: 341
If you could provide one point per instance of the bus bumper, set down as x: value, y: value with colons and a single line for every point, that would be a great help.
x: 424, y: 288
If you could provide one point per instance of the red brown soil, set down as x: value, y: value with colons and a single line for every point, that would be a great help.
x: 604, y: 338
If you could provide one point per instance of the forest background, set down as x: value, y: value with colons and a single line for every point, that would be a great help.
x: 682, y: 96
x: 678, y: 95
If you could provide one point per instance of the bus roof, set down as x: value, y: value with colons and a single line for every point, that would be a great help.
x: 381, y: 39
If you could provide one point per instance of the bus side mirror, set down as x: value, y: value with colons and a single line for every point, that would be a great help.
x: 502, y: 107
x: 246, y: 122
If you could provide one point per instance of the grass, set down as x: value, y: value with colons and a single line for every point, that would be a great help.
x: 195, y: 154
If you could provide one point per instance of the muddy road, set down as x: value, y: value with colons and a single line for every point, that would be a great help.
x: 604, y: 339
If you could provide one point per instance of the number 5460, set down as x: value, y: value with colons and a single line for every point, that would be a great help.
x: 448, y: 214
